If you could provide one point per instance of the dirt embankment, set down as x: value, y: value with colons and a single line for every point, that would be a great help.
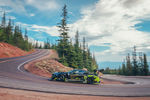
x: 11, y: 94
x: 7, y: 50
x: 45, y: 66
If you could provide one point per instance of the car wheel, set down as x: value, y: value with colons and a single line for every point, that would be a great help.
x: 65, y: 80
x: 90, y: 80
x: 52, y: 79
x: 84, y: 80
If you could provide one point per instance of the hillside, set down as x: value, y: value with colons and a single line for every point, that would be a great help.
x: 7, y: 50
x: 47, y: 65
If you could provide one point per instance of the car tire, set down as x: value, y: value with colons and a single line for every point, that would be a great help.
x: 65, y: 80
x: 84, y: 80
x: 90, y: 80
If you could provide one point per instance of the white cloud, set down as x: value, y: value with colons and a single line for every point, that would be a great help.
x: 113, y: 21
x: 20, y: 6
x: 53, y: 31
x: 33, y: 41
x: 16, y: 6
x: 43, y: 4
x: 12, y: 17
x: 32, y: 14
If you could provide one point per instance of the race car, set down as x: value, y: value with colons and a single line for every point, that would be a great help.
x: 76, y: 76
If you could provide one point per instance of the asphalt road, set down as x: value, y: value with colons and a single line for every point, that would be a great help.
x: 13, y: 75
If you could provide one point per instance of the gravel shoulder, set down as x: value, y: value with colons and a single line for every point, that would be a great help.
x: 8, y: 94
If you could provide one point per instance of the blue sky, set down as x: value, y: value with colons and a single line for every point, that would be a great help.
x: 111, y: 27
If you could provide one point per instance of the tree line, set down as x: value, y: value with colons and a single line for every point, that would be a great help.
x: 46, y: 45
x: 75, y: 55
x: 12, y: 34
x: 137, y: 66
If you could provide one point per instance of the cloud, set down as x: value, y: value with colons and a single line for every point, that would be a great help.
x: 22, y: 6
x: 13, y: 5
x: 12, y: 17
x: 33, y: 41
x: 53, y: 31
x: 43, y: 4
x: 32, y: 14
x: 113, y: 21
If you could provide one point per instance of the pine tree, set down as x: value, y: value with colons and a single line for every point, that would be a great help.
x: 119, y: 71
x: 78, y: 52
x: 135, y: 66
x: 107, y: 70
x: 123, y: 69
x: 141, y: 64
x: 26, y: 43
x: 9, y: 33
x: 37, y: 44
x: 54, y: 46
x: 26, y: 35
x: 89, y: 59
x: 48, y: 43
x: 40, y: 47
x: 63, y: 44
x: 3, y: 24
x: 145, y: 70
x: 84, y: 54
x: 17, y: 36
x: 128, y: 64
x: 94, y: 63
x: 3, y: 35
x: 77, y: 41
x: 71, y: 56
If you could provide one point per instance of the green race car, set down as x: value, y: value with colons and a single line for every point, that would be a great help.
x: 76, y: 76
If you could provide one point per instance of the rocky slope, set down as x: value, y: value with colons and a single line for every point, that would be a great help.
x: 47, y: 65
x: 7, y: 50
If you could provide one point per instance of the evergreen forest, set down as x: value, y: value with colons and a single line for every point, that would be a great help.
x: 135, y: 65
x: 12, y: 34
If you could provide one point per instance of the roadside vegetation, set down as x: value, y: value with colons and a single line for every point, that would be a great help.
x: 71, y: 53
x: 137, y: 65
x: 12, y: 34
x: 75, y: 55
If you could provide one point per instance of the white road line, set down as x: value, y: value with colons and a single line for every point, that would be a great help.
x: 19, y: 66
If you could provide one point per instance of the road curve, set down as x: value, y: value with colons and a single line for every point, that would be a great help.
x: 13, y: 75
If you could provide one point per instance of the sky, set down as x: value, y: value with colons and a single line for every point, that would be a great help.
x: 111, y: 27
